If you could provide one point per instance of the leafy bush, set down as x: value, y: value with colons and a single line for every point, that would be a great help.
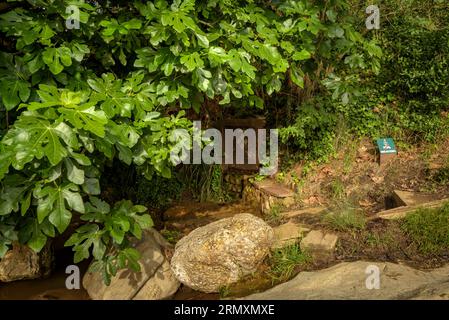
x: 428, y: 229
x: 406, y: 96
x: 74, y: 101
x: 284, y: 261
x: 415, y: 65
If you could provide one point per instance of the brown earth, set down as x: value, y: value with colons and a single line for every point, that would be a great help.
x: 355, y: 176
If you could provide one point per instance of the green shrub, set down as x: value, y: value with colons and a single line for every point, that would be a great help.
x: 284, y: 261
x: 312, y: 132
x: 346, y: 219
x: 159, y: 192
x: 73, y: 101
x: 428, y: 229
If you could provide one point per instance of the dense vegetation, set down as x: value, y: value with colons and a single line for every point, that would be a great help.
x: 407, y: 99
x: 75, y: 102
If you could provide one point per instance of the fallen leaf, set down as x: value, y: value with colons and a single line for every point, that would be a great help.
x: 377, y: 179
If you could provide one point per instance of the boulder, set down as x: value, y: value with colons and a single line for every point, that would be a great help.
x: 407, y: 198
x: 162, y: 284
x: 21, y: 263
x: 353, y: 280
x: 155, y: 281
x: 221, y: 252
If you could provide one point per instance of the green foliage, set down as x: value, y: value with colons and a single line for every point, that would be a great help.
x: 346, y: 219
x: 401, y: 90
x: 75, y: 100
x: 428, y: 229
x: 158, y: 192
x: 123, y: 218
x: 284, y: 262
x: 311, y: 133
x: 415, y: 66
x: 337, y: 189
x: 217, y: 182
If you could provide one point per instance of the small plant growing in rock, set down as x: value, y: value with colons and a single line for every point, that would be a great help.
x: 224, y: 292
x: 428, y: 229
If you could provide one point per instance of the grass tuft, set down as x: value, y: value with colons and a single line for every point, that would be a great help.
x: 347, y: 219
x: 428, y: 229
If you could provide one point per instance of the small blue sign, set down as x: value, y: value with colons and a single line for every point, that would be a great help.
x: 386, y: 145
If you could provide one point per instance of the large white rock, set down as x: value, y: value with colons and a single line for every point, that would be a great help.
x: 155, y: 281
x: 221, y: 252
x: 356, y: 280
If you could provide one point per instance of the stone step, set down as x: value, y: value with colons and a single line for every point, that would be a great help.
x: 407, y: 198
x: 287, y: 234
x: 320, y: 244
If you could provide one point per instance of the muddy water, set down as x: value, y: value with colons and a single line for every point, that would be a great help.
x: 51, y: 288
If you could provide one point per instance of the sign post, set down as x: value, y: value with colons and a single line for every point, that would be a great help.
x: 387, y: 149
